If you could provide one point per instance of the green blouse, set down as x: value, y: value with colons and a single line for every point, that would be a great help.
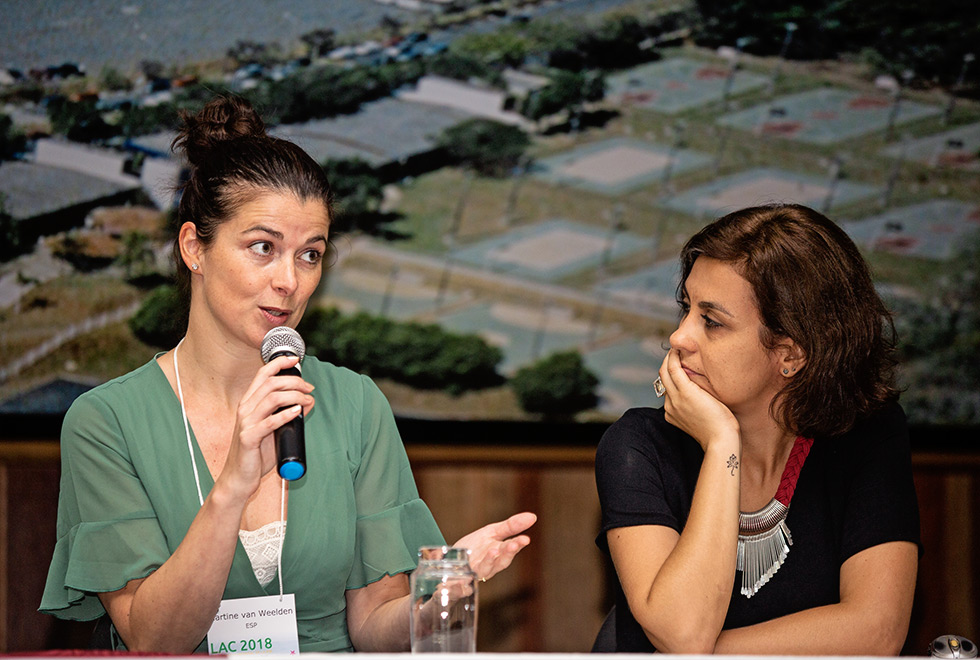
x: 128, y: 498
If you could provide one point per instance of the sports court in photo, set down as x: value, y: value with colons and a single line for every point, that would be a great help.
x: 957, y: 148
x: 826, y: 115
x: 651, y: 289
x: 679, y: 84
x: 618, y: 165
x: 626, y: 371
x: 550, y: 250
x: 402, y: 296
x: 764, y: 186
x: 930, y: 230
x: 524, y: 333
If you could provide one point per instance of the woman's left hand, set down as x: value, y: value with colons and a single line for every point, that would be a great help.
x: 494, y: 546
x: 691, y: 408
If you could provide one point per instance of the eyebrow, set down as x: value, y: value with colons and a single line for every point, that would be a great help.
x: 714, y: 306
x: 280, y: 235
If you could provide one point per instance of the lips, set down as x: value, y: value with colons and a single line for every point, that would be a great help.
x: 275, y: 315
x: 691, y: 373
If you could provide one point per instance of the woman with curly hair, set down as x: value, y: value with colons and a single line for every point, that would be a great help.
x: 768, y: 507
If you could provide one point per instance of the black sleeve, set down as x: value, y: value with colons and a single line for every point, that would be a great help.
x: 881, y: 504
x: 633, y: 484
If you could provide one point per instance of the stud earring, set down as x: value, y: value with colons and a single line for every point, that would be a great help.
x: 194, y: 266
x: 785, y: 371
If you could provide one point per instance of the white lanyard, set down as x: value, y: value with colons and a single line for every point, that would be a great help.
x: 197, y: 478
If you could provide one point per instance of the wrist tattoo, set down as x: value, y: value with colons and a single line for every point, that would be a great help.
x: 733, y: 463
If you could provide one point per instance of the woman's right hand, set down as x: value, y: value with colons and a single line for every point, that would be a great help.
x: 269, y: 402
x: 692, y: 409
x: 171, y: 610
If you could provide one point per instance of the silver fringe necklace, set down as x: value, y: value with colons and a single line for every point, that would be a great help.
x: 763, y: 537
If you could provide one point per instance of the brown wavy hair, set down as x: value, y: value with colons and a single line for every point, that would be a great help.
x: 811, y: 285
x: 232, y: 161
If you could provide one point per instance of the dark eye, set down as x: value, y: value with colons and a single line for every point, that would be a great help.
x: 683, y: 308
x: 261, y: 247
x: 709, y: 322
x: 312, y: 257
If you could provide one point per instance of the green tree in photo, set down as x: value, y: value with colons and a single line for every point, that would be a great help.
x: 319, y: 41
x: 615, y: 44
x: 358, y: 193
x: 113, y: 80
x: 567, y: 92
x: 12, y: 141
x: 12, y: 241
x: 136, y: 257
x: 147, y: 119
x: 314, y: 93
x: 488, y: 147
x: 559, y: 385
x: 500, y: 49
x: 938, y: 342
x: 79, y: 121
x: 246, y: 51
x: 895, y: 35
x: 421, y: 355
x: 161, y: 320
x: 461, y: 66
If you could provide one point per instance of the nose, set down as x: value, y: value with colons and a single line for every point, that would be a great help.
x: 682, y: 338
x: 284, y: 279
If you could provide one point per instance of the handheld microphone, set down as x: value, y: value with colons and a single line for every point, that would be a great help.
x: 290, y: 440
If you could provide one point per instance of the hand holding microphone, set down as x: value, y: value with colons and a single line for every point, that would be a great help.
x: 290, y: 439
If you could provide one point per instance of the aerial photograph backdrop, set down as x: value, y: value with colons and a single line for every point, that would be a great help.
x: 513, y: 183
x: 513, y: 179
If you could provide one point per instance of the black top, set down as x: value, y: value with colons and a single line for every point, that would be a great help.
x: 855, y: 491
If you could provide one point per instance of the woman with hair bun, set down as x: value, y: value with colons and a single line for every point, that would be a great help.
x: 170, y: 505
x: 768, y: 507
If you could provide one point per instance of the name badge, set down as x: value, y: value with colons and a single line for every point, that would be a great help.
x: 264, y: 624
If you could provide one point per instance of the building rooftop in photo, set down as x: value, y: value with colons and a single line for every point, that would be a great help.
x: 52, y: 398
x: 380, y: 133
x: 32, y: 190
x: 476, y: 101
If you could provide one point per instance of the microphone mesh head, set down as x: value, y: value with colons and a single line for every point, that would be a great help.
x: 282, y: 339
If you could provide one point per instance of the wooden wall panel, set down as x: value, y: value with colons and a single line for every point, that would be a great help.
x: 28, y: 511
x: 960, y: 553
x: 467, y: 497
x: 946, y: 600
x: 572, y: 589
x: 553, y: 597
x: 556, y: 593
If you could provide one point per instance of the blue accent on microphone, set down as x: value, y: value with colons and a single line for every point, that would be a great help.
x: 292, y: 470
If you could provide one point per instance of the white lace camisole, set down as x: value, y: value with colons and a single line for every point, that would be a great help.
x: 262, y: 547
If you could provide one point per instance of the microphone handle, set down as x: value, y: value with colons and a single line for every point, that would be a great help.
x: 291, y: 442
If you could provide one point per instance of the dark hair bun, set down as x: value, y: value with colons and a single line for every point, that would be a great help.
x: 222, y: 119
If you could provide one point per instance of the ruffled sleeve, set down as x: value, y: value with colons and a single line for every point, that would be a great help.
x: 107, y: 531
x: 392, y: 521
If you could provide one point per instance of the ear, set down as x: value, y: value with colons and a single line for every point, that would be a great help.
x: 191, y: 248
x: 791, y: 358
